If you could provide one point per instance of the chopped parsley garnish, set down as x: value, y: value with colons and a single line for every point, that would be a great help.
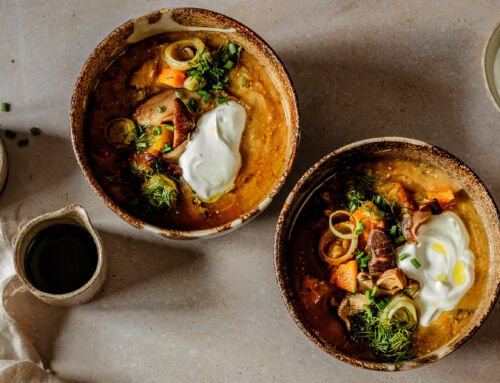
x: 5, y: 107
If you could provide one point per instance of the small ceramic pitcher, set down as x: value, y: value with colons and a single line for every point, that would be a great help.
x: 73, y: 215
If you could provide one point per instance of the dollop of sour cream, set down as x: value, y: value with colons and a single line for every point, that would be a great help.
x: 212, y: 157
x: 446, y: 269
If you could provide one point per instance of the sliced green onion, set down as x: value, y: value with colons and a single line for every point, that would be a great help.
x: 361, y: 228
x: 415, y: 263
x: 394, y: 230
x: 179, y: 94
x: 160, y: 109
x: 400, y: 239
x: 221, y: 100
x: 141, y: 145
x: 35, y: 131
x: 167, y: 148
x: 207, y: 98
x: 169, y: 127
x: 229, y: 64
x: 10, y: 134
x: 232, y: 48
x: 5, y: 107
x: 402, y: 257
x: 157, y: 130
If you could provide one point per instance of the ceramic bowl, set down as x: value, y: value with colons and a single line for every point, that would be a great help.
x: 4, y: 166
x: 72, y: 215
x: 488, y: 63
x: 398, y: 148
x: 159, y: 22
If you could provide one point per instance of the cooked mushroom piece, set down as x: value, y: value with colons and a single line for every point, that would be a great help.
x: 365, y: 282
x: 412, y: 219
x: 352, y: 304
x: 382, y: 251
x: 183, y: 123
x: 413, y: 287
x: 392, y: 281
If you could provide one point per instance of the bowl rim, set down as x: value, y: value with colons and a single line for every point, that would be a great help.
x: 493, y: 94
x: 280, y: 258
x: 294, y: 131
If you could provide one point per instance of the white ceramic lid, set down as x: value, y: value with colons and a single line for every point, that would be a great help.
x: 4, y: 166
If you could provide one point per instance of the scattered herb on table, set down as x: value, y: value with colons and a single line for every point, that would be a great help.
x: 35, y: 131
x: 5, y: 107
x: 24, y: 142
x: 10, y: 134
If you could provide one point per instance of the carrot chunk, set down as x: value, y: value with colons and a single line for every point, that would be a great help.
x: 346, y: 275
x: 445, y: 197
x: 172, y: 77
x: 367, y: 216
x: 399, y: 195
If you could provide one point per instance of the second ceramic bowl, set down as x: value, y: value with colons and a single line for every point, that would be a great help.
x: 388, y: 148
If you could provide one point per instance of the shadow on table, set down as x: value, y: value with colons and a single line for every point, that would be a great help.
x: 359, y: 88
x: 154, y: 274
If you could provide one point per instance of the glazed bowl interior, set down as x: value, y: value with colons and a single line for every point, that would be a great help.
x: 162, y: 21
x: 388, y: 148
x: 488, y: 62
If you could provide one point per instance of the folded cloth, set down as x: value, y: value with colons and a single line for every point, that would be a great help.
x: 19, y: 360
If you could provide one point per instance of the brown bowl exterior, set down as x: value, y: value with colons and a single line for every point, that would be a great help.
x: 398, y: 148
x: 115, y: 44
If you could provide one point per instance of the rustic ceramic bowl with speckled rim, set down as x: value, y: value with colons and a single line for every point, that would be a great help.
x: 397, y: 148
x: 162, y: 21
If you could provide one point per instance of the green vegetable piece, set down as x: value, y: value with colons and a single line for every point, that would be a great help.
x: 160, y: 109
x: 5, y: 107
x: 400, y: 239
x: 229, y: 64
x: 167, y: 148
x: 179, y: 94
x: 207, y: 97
x: 403, y: 256
x: 120, y: 132
x: 35, y: 131
x: 169, y: 127
x: 394, y: 230
x: 221, y: 100
x: 415, y: 263
x: 10, y: 134
x: 141, y: 145
x: 157, y: 130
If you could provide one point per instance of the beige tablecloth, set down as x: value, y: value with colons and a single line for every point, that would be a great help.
x: 19, y: 360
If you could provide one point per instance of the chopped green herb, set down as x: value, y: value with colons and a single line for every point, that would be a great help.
x: 157, y: 130
x: 379, y: 213
x: 374, y: 291
x: 415, y: 263
x: 167, y: 148
x: 233, y: 48
x: 207, y: 97
x: 141, y: 145
x: 179, y: 94
x: 403, y: 256
x: 5, y: 107
x: 160, y: 109
x: 394, y: 230
x: 35, y: 131
x: 10, y: 134
x: 24, y: 142
x: 169, y: 127
x: 221, y: 100
x: 191, y: 104
x: 229, y: 64
x: 361, y: 228
x: 400, y: 239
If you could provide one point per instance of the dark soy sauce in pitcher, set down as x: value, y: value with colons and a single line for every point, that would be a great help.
x: 60, y: 259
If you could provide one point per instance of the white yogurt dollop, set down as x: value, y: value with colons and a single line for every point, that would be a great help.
x: 212, y: 157
x: 446, y: 268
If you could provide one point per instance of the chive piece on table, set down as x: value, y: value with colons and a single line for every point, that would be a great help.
x: 24, y: 142
x: 169, y: 127
x: 35, y: 131
x: 160, y: 109
x: 10, y: 134
x: 415, y: 263
x: 5, y: 107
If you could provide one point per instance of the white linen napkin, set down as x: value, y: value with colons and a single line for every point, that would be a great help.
x: 19, y: 360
